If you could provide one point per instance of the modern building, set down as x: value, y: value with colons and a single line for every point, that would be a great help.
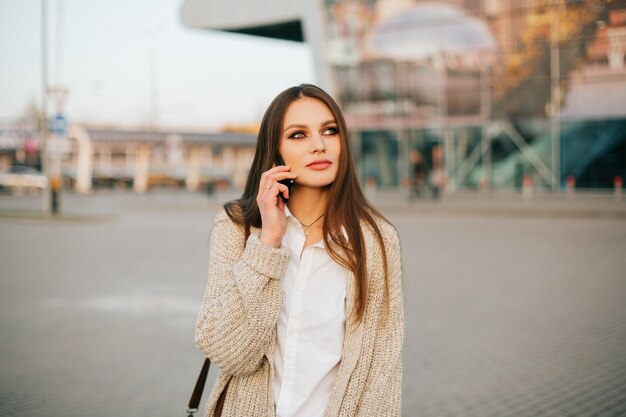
x: 531, y: 91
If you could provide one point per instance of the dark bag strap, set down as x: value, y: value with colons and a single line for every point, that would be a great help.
x: 196, y: 395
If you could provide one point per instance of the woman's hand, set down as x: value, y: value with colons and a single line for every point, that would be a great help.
x: 271, y: 206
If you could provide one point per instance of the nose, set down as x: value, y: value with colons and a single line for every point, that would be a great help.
x: 317, y: 144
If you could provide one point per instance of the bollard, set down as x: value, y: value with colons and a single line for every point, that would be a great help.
x: 617, y: 183
x: 55, y: 188
x: 570, y: 183
x: 527, y: 187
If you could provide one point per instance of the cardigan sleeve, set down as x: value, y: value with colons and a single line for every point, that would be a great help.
x: 243, y: 299
x: 383, y: 388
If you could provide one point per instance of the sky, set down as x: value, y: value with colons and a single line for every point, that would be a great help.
x: 102, y: 52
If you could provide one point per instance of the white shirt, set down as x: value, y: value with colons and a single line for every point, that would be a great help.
x: 310, y: 329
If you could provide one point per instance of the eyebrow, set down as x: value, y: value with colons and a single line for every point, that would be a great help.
x: 326, y: 123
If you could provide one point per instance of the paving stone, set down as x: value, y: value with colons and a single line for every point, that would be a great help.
x: 507, y: 315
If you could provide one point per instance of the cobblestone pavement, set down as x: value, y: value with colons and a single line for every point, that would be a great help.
x: 507, y: 315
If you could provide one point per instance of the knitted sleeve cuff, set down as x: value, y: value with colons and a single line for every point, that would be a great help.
x: 268, y: 261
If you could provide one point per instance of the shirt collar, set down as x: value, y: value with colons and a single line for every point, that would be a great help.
x: 290, y: 215
x: 299, y: 227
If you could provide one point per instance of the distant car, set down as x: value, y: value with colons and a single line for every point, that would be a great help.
x: 112, y: 177
x: 22, y: 177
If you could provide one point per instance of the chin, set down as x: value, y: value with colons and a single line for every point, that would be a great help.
x: 316, y: 182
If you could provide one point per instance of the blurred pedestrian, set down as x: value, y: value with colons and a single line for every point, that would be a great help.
x: 418, y: 174
x: 437, y: 177
x: 303, y: 312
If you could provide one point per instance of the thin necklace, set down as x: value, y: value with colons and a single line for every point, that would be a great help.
x: 306, y: 228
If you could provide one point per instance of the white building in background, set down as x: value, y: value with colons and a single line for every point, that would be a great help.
x: 141, y: 160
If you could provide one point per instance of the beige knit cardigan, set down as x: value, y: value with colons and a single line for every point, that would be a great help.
x: 236, y: 326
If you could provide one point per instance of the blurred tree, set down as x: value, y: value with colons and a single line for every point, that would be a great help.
x: 524, y: 87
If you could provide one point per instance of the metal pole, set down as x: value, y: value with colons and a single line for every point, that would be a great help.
x: 152, y: 117
x: 55, y: 158
x: 43, y: 126
x: 485, y: 110
x: 59, y: 44
x: 445, y: 134
x: 555, y: 81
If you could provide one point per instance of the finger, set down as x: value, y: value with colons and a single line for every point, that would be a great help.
x: 264, y: 188
x: 280, y: 166
x: 282, y: 175
x: 271, y: 191
x: 271, y: 196
x: 267, y: 175
x: 278, y: 170
x: 282, y: 188
x: 269, y: 182
x: 265, y: 191
x: 280, y: 204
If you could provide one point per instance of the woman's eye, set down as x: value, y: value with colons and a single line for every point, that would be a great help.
x: 331, y: 131
x: 297, y: 135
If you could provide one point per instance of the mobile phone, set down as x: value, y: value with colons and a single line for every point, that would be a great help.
x: 287, y: 181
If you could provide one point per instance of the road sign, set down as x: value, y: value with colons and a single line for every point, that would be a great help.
x: 58, y: 124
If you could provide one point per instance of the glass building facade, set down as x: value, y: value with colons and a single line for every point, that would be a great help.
x: 490, y: 93
x: 510, y: 92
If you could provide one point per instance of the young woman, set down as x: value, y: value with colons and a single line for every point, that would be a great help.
x: 303, y: 313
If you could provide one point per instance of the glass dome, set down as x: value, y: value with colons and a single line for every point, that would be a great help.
x: 429, y: 30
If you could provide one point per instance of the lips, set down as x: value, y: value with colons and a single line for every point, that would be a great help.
x: 320, y: 164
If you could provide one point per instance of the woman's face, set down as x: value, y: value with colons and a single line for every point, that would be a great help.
x: 310, y: 143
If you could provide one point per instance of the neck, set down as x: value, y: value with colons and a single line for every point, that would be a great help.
x: 307, y: 204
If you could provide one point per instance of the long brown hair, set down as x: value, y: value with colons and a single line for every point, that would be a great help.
x: 347, y: 205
